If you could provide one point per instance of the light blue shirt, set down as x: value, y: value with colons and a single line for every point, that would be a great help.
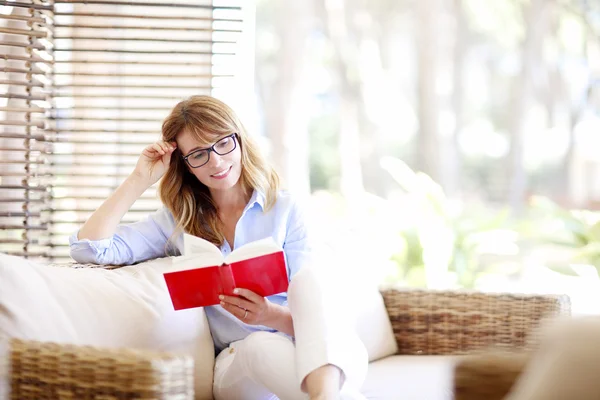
x: 147, y: 239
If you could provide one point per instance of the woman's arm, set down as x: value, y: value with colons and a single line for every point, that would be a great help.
x: 151, y: 166
x: 104, y: 221
x: 130, y: 244
x: 102, y: 240
x: 281, y: 320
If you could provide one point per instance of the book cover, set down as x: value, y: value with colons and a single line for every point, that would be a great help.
x: 203, y: 273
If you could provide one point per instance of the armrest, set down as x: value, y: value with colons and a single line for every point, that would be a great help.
x: 488, y: 376
x: 50, y: 371
x: 452, y: 322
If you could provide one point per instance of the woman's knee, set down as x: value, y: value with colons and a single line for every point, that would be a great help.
x: 308, y: 279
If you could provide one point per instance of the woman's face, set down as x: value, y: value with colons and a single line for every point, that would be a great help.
x: 217, y: 172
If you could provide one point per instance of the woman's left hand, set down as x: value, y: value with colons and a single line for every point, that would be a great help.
x: 249, y: 307
x: 254, y: 309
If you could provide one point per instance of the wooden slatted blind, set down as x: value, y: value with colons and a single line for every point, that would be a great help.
x: 119, y: 67
x: 26, y: 44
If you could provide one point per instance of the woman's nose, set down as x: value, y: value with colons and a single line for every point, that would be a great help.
x: 215, y: 159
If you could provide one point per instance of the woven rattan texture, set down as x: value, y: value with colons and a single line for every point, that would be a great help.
x: 446, y: 322
x: 44, y: 371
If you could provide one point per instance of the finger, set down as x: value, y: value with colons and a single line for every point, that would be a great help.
x: 235, y: 310
x: 248, y: 294
x: 167, y: 157
x: 150, y: 152
x: 158, y: 149
x: 237, y: 301
x: 164, y: 146
x: 169, y: 145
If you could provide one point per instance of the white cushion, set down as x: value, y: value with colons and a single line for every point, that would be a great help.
x: 125, y: 307
x: 366, y: 305
x: 373, y: 324
x: 410, y: 378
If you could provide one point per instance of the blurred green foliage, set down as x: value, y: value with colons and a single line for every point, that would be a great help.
x: 444, y: 239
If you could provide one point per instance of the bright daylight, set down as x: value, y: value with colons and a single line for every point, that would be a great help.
x: 321, y: 199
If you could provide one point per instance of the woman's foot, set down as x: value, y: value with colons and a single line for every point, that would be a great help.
x: 324, y: 383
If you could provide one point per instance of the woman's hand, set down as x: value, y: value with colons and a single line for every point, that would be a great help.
x: 154, y: 161
x: 254, y: 309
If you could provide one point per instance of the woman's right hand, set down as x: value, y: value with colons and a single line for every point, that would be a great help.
x: 154, y: 161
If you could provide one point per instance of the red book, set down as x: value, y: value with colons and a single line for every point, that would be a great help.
x: 203, y: 273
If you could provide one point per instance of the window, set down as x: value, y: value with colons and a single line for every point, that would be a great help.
x: 25, y: 180
x: 119, y: 67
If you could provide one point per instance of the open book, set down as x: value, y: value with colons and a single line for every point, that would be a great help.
x: 203, y: 274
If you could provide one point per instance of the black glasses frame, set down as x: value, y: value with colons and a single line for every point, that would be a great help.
x: 211, y: 149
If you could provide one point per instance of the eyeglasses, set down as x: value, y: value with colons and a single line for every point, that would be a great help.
x: 200, y: 157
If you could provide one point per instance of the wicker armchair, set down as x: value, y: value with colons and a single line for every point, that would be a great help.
x: 424, y: 322
x: 451, y: 323
x: 49, y: 371
x: 499, y: 330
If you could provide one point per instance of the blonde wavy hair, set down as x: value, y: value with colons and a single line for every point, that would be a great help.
x: 190, y: 202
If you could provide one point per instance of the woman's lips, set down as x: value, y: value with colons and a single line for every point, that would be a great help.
x: 222, y: 174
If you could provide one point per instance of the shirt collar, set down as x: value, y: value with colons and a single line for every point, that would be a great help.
x: 257, y: 198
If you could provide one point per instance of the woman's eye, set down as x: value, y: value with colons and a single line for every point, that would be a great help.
x: 200, y: 155
x: 223, y: 143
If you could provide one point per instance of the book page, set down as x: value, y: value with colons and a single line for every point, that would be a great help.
x: 195, y: 245
x: 253, y: 249
x: 198, y: 253
x: 195, y: 261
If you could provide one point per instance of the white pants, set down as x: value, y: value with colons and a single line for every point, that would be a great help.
x: 268, y: 365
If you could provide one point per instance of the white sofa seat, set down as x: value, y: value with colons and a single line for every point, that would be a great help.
x: 410, y: 378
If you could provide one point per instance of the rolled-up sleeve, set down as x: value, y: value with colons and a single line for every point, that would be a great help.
x: 131, y: 243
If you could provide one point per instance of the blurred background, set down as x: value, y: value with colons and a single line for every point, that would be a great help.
x: 438, y: 143
x: 455, y: 142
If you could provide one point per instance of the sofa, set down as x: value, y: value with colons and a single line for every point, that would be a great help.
x: 73, y: 331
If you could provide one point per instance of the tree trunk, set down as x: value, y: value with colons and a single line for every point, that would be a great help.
x: 453, y: 164
x: 534, y: 18
x: 428, y: 147
x: 569, y: 171
x: 351, y: 180
x: 286, y: 118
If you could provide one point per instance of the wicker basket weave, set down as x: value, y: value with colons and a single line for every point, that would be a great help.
x: 447, y: 322
x: 44, y: 371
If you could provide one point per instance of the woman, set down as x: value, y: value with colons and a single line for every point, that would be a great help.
x: 217, y: 186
